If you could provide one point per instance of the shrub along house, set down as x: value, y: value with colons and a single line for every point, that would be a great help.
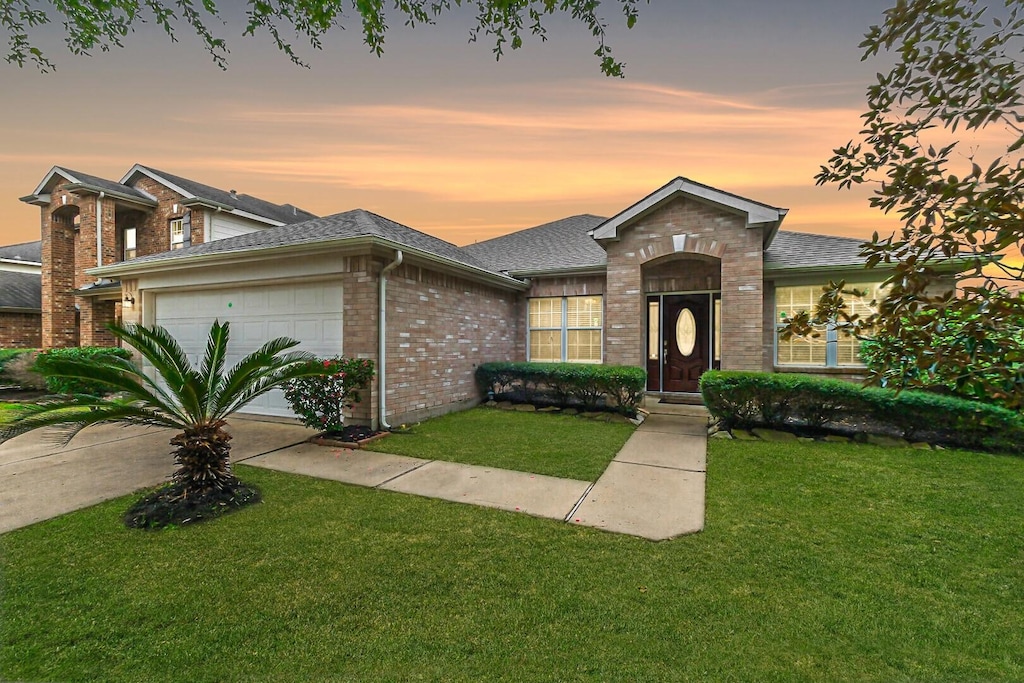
x: 686, y: 279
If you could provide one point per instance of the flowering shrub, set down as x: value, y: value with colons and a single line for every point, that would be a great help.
x: 319, y: 400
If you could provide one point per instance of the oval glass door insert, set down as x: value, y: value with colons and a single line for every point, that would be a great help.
x: 686, y: 332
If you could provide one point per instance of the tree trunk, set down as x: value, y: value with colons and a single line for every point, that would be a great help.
x: 203, y: 459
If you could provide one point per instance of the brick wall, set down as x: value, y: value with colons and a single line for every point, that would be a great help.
x: 648, y: 247
x: 154, y: 229
x: 59, y: 240
x: 20, y: 330
x: 439, y: 328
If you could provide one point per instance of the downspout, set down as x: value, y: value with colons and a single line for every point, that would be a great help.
x: 99, y: 228
x: 382, y: 339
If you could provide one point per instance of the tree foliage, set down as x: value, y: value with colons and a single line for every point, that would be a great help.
x: 91, y: 26
x: 941, y: 146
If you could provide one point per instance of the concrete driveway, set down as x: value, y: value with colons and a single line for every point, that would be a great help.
x: 40, y: 479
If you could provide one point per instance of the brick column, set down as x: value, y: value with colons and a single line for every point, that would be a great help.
x: 58, y: 280
x: 96, y: 315
x: 624, y: 311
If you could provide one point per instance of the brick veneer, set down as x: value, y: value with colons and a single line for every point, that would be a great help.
x: 439, y: 328
x: 20, y: 330
x: 645, y: 250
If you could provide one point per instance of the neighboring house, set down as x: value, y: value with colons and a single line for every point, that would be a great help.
x: 688, y: 278
x: 20, y: 296
x: 89, y: 222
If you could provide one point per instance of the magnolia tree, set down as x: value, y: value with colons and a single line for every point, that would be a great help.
x: 941, y: 148
x: 90, y: 26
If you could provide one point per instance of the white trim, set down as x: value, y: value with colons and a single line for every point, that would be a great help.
x: 153, y: 176
x: 56, y: 170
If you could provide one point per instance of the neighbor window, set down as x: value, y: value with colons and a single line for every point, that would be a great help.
x: 833, y: 347
x: 177, y: 233
x: 566, y: 329
x: 129, y: 243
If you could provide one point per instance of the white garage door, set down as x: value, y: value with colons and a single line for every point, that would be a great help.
x: 310, y: 313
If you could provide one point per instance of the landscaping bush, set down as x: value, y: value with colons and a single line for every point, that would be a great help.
x: 590, y: 386
x: 780, y: 401
x: 319, y: 401
x: 64, y: 385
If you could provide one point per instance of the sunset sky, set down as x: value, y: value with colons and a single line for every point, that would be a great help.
x: 745, y: 95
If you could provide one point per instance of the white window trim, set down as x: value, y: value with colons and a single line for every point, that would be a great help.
x: 831, y: 337
x: 564, y: 330
x: 180, y: 241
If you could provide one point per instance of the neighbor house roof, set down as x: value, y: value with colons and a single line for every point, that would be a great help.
x: 205, y: 194
x: 557, y: 246
x: 87, y: 183
x: 29, y: 252
x: 350, y: 225
x: 21, y: 291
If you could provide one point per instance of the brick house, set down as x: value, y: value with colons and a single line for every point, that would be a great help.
x: 686, y: 279
x: 20, y: 296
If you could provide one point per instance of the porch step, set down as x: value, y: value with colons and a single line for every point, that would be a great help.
x: 655, y: 405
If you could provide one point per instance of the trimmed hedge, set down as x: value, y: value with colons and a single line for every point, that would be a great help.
x: 65, y: 385
x: 782, y: 401
x: 619, y: 386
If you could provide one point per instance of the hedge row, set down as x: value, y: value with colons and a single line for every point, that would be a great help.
x: 592, y: 386
x: 65, y: 385
x: 780, y: 401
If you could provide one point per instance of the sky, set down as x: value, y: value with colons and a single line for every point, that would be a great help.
x: 744, y: 95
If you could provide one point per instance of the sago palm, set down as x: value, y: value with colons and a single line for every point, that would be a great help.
x: 196, y: 401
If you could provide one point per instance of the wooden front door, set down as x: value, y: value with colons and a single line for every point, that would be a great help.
x: 685, y: 342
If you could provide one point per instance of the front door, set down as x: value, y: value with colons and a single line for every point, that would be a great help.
x: 683, y: 323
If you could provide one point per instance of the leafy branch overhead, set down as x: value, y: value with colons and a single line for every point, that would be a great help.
x: 941, y: 146
x: 91, y: 26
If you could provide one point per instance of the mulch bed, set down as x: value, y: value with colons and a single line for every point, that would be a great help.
x: 165, y: 507
x: 352, y: 436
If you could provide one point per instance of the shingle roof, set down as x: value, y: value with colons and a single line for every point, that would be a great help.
x: 104, y: 184
x: 20, y: 290
x: 804, y: 250
x: 356, y: 223
x: 27, y: 251
x: 284, y: 213
x: 559, y: 245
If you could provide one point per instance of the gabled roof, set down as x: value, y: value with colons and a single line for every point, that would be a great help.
x: 260, y: 209
x: 78, y: 181
x: 337, y: 229
x: 21, y: 291
x: 758, y: 215
x: 562, y: 245
x: 29, y: 252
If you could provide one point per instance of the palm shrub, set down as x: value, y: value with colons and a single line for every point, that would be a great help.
x: 320, y: 400
x: 196, y: 401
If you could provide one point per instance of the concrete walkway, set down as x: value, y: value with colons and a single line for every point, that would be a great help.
x: 654, y: 488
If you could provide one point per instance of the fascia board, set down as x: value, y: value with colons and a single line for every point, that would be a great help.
x: 56, y: 170
x: 75, y: 188
x: 130, y: 269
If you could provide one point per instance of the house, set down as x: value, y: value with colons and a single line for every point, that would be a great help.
x: 686, y: 279
x: 20, y: 296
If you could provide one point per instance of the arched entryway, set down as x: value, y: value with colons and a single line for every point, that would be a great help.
x: 683, y: 321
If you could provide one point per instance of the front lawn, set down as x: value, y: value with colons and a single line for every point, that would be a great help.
x: 819, y: 562
x: 541, y: 443
x: 7, y: 411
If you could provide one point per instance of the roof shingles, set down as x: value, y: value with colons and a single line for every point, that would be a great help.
x: 28, y: 251
x: 20, y: 290
x: 560, y: 245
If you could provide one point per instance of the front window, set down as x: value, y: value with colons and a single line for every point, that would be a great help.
x: 567, y: 329
x: 177, y: 233
x: 129, y: 243
x: 833, y: 346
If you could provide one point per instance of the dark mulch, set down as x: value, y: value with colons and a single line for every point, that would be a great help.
x: 351, y: 433
x: 16, y: 395
x: 166, y: 507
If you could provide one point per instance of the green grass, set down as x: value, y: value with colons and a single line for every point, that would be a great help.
x: 6, y: 411
x: 541, y: 443
x: 819, y: 562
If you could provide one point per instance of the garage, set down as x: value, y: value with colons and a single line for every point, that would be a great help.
x: 309, y: 312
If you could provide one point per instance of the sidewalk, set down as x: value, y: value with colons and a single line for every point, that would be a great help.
x: 654, y: 488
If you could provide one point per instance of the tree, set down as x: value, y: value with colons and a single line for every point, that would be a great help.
x: 196, y: 401
x: 941, y: 144
x: 101, y: 26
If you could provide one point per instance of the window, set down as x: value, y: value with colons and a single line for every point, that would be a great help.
x: 833, y: 347
x: 129, y: 243
x: 177, y: 233
x: 566, y: 329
